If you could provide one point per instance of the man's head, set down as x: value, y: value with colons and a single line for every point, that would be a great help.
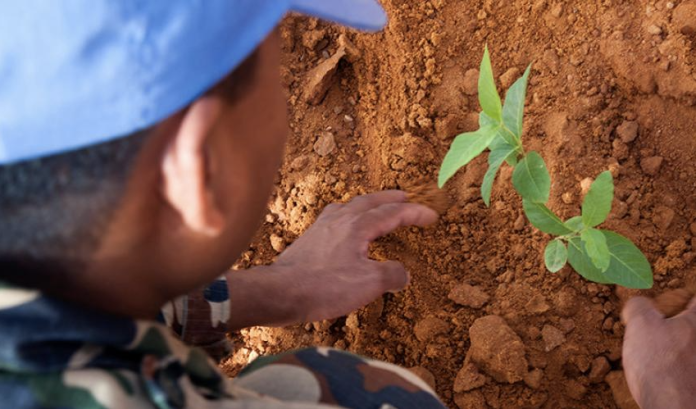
x: 136, y: 220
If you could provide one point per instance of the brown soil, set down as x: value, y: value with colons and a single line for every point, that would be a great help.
x: 613, y: 87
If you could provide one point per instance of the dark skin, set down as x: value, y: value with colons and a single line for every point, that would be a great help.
x: 198, y: 192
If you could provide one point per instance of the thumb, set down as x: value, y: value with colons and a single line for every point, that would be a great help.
x: 394, y: 276
x: 641, y: 311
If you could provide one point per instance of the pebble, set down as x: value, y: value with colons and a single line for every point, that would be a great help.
x: 600, y: 368
x: 537, y: 305
x: 575, y: 389
x: 619, y: 149
x: 278, y: 243
x: 557, y: 10
x: 619, y: 389
x: 509, y: 78
x: 469, y: 378
x: 627, y: 131
x: 325, y: 144
x: 654, y: 30
x: 519, y: 223
x: 469, y: 296
x: 567, y: 198
x: 533, y: 378
x: 470, y: 400
x: 299, y: 163
x: 692, y: 228
x: 585, y: 185
x: 553, y: 337
x: 567, y: 325
x: 651, y: 165
x: 663, y: 217
x: 429, y: 328
x: 470, y: 84
x: 497, y: 349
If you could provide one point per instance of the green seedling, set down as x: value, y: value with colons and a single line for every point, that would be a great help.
x: 598, y: 255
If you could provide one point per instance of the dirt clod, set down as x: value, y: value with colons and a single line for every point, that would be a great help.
x: 469, y: 378
x: 600, y: 368
x: 469, y: 296
x: 428, y: 194
x: 278, y: 243
x: 497, y: 349
x: 325, y: 144
x: 553, y: 337
x: 651, y: 165
x: 470, y: 400
x: 533, y: 378
x: 429, y: 328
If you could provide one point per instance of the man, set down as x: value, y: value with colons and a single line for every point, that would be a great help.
x: 138, y: 145
x: 139, y: 142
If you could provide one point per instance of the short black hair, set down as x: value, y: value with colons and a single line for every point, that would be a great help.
x: 54, y: 209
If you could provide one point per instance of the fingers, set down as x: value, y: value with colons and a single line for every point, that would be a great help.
x: 394, y: 276
x: 641, y: 311
x: 388, y: 217
x: 368, y: 202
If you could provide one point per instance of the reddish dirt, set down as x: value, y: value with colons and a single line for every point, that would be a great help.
x: 613, y: 86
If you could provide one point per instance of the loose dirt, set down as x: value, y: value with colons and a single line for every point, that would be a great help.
x: 613, y: 87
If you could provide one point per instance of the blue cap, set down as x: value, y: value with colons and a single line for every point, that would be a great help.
x: 75, y: 73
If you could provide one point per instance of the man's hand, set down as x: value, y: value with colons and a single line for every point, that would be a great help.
x: 659, y: 355
x: 327, y: 272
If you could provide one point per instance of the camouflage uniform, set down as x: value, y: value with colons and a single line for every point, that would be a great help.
x: 56, y: 355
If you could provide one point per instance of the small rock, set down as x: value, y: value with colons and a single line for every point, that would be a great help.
x: 619, y: 388
x: 608, y: 324
x: 537, y: 305
x: 469, y: 378
x: 575, y: 389
x: 278, y: 243
x: 325, y: 144
x: 619, y: 149
x: 510, y: 76
x: 600, y: 368
x: 299, y: 163
x: 651, y: 165
x: 567, y: 198
x: 429, y: 328
x: 553, y: 337
x: 585, y: 185
x: 557, y: 10
x: 519, y: 223
x: 352, y: 321
x: 663, y: 217
x: 497, y: 349
x: 627, y: 131
x: 425, y: 375
x: 470, y: 84
x: 567, y: 325
x: 533, y: 378
x: 469, y: 296
x: 654, y: 30
x: 470, y: 400
x: 692, y: 228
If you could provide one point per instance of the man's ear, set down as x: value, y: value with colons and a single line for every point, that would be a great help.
x: 185, y: 167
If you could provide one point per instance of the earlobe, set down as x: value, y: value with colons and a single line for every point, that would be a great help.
x: 184, y: 168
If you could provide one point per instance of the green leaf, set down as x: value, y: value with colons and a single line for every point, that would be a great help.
x: 597, y: 203
x: 465, y: 147
x: 628, y: 266
x: 488, y: 93
x: 596, y: 247
x: 575, y: 224
x: 498, y: 155
x: 485, y: 120
x: 499, y: 143
x: 513, y: 110
x: 544, y: 219
x: 555, y: 255
x: 581, y: 262
x: 531, y: 179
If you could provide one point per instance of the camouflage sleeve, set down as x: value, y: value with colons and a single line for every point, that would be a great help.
x: 330, y: 376
x: 200, y: 318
